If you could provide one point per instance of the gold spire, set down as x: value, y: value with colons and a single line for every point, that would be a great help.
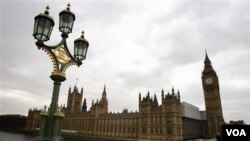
x: 82, y: 35
x: 46, y: 10
x: 68, y: 6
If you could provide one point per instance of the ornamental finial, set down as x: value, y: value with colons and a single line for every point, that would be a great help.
x: 46, y: 12
x: 82, y: 36
x: 68, y: 6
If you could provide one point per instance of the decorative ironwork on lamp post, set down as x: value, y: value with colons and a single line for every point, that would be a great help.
x: 51, y: 120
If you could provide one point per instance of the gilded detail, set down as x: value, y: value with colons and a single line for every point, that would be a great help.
x: 61, y: 54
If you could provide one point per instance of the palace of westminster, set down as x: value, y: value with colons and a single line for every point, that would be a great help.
x: 173, y: 120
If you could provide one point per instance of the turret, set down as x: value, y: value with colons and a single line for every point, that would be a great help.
x: 100, y: 107
x: 104, y: 94
x: 84, y: 105
x: 173, y: 95
x: 178, y: 93
x: 148, y: 95
x: 155, y: 100
x: 69, y: 90
x: 172, y: 90
x: 82, y: 90
x: 75, y: 89
x: 104, y: 101
x: 139, y: 96
x: 147, y: 103
x: 74, y: 103
x: 162, y: 93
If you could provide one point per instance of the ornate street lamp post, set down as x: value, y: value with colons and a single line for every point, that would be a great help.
x: 51, y: 120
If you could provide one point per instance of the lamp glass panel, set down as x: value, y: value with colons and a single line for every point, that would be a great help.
x: 64, y: 21
x: 79, y: 53
x: 75, y: 48
x: 80, y: 50
x: 85, y: 48
x: 71, y: 21
x: 50, y: 30
x: 35, y: 26
x: 46, y: 28
x: 40, y: 26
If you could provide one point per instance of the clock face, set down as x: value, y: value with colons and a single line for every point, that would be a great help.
x: 209, y: 80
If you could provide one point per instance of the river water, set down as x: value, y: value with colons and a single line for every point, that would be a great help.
x: 7, y: 136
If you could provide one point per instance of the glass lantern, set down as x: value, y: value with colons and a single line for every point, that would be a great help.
x: 43, y: 26
x: 80, y: 48
x: 66, y: 20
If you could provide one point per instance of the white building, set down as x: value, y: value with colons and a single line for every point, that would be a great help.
x: 191, y: 111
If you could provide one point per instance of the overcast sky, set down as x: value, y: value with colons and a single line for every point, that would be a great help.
x: 134, y: 47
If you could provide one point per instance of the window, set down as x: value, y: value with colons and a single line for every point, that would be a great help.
x: 144, y: 130
x: 169, y: 131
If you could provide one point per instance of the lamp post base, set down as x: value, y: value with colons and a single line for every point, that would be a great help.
x: 50, y: 131
x: 51, y: 120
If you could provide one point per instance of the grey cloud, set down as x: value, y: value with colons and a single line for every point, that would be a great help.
x: 200, y: 30
x: 105, y: 12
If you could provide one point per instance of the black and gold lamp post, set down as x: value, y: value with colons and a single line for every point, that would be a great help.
x: 51, y: 119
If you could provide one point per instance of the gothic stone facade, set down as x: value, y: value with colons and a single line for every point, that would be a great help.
x: 152, y: 122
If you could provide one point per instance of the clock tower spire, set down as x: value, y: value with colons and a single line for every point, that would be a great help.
x: 210, y: 83
x: 208, y: 65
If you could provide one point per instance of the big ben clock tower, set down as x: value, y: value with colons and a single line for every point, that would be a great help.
x: 210, y: 83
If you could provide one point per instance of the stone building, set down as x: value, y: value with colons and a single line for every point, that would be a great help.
x: 152, y: 122
x: 193, y: 121
x: 169, y: 121
x: 12, y: 123
x: 210, y: 83
x: 32, y: 122
x: 74, y: 100
x: 160, y: 122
